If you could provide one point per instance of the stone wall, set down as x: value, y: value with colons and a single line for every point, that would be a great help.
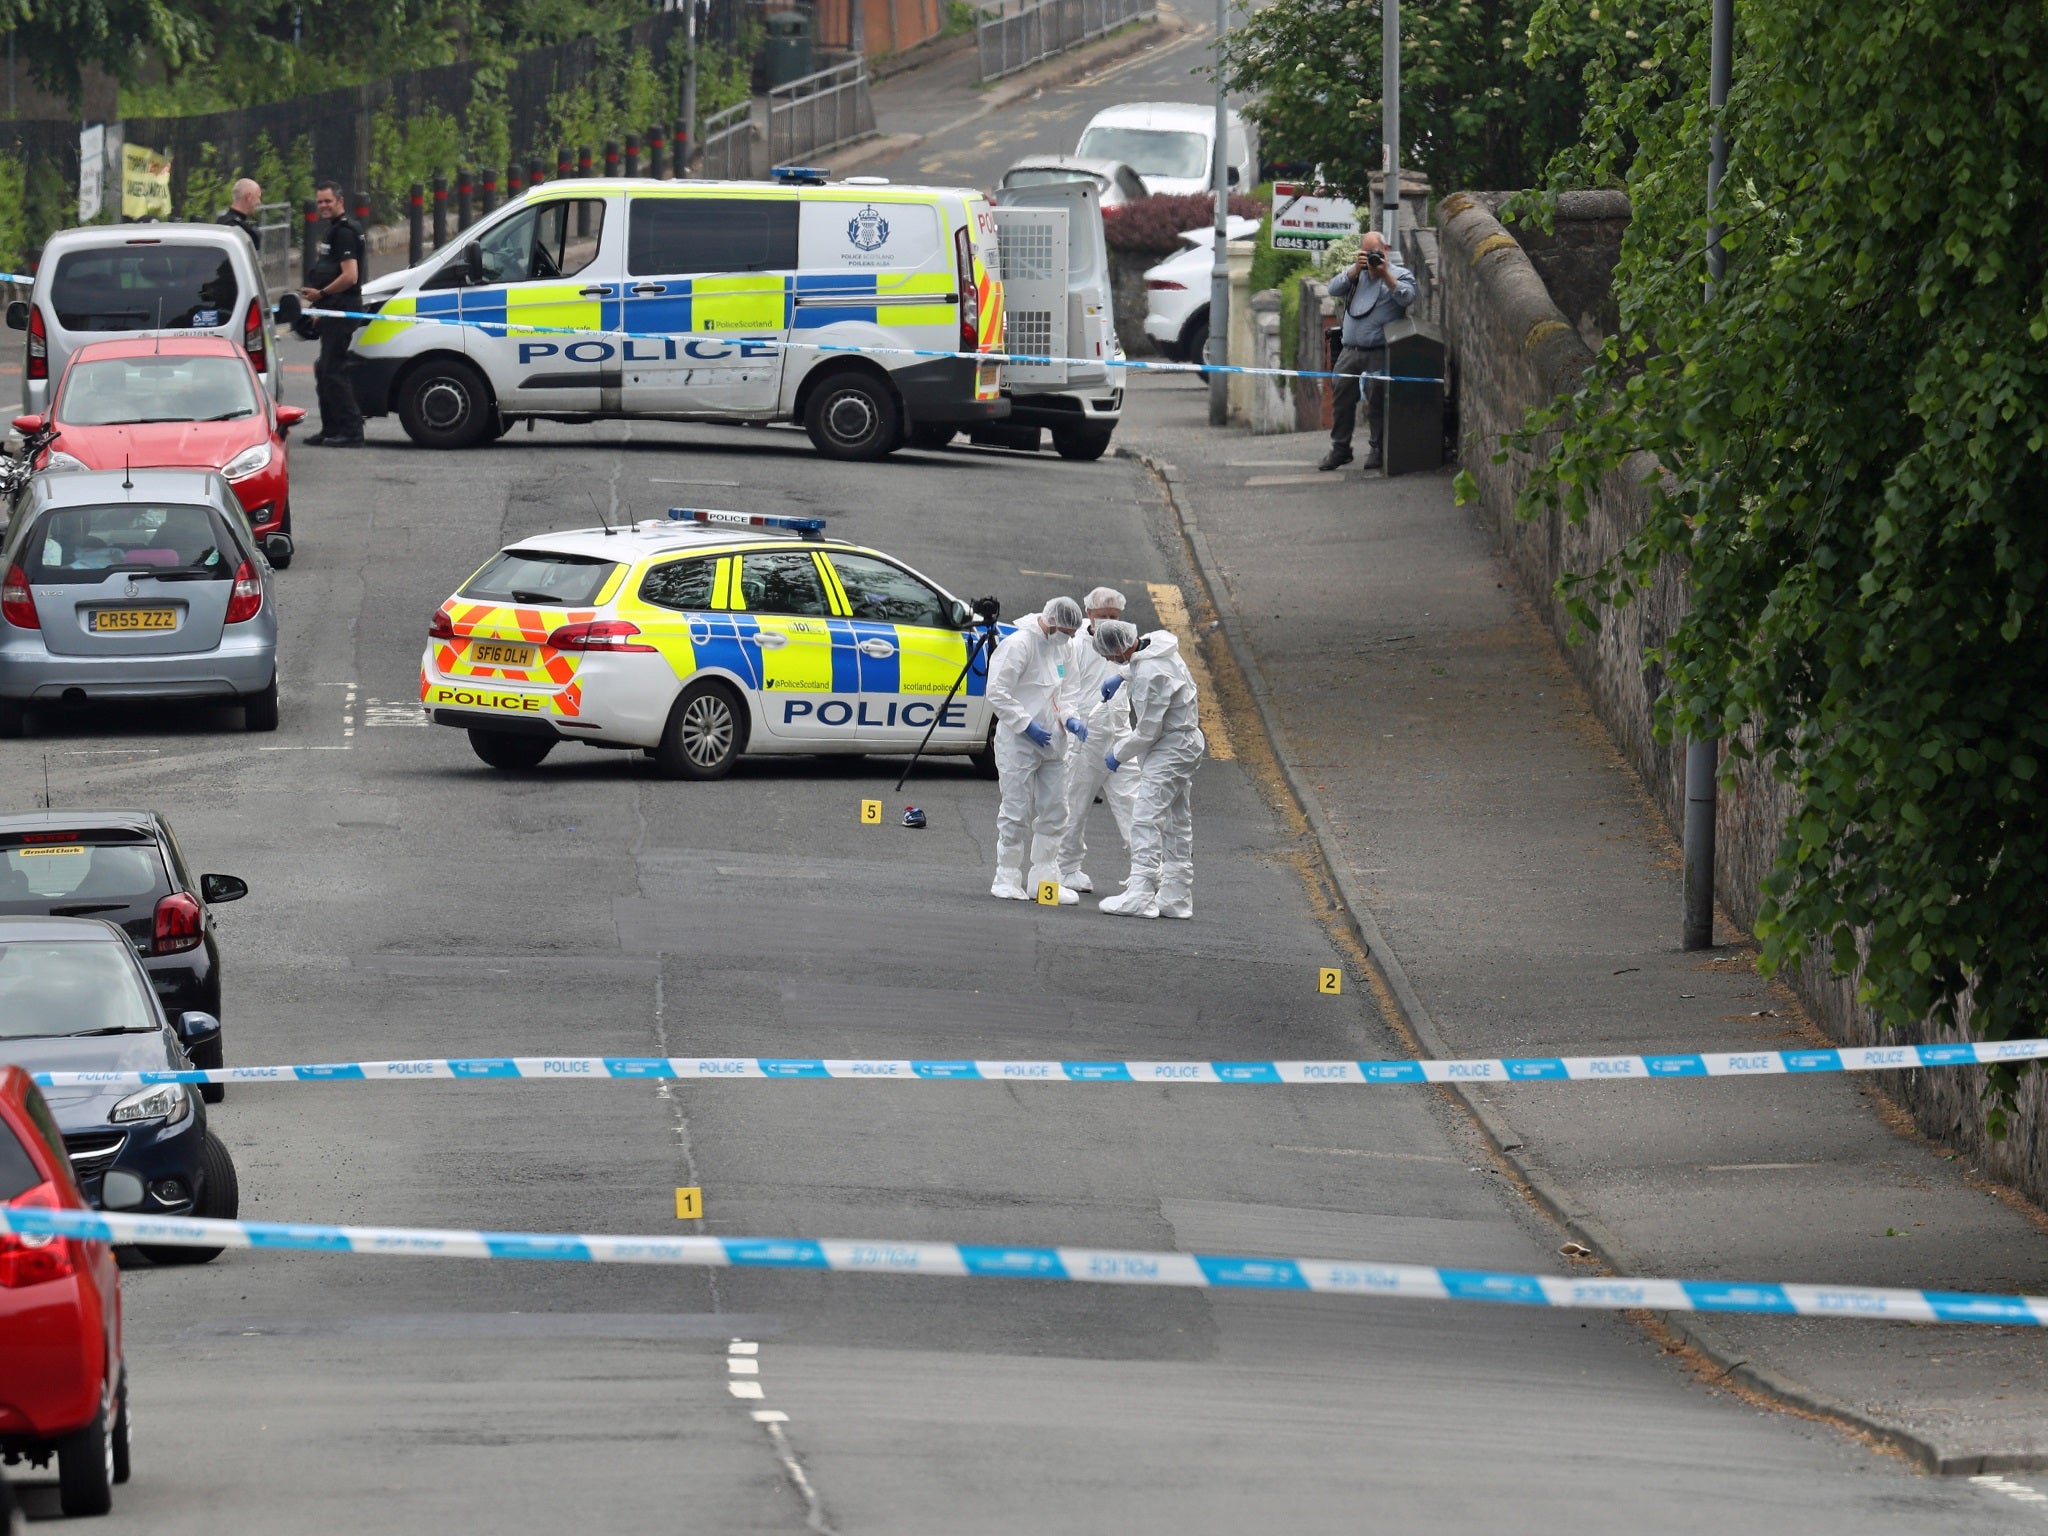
x: 1523, y: 314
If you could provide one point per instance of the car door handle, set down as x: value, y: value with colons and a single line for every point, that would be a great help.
x: 877, y: 647
x: 769, y: 639
x: 594, y: 293
x: 650, y: 288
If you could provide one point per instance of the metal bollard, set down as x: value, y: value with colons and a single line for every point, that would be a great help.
x: 515, y: 181
x: 489, y: 196
x: 536, y: 172
x: 416, y: 225
x: 583, y: 162
x: 679, y: 150
x: 565, y: 165
x: 656, y: 142
x: 309, y: 240
x: 465, y: 189
x: 362, y: 207
x: 582, y: 206
x: 632, y: 154
x: 611, y: 157
x: 440, y: 211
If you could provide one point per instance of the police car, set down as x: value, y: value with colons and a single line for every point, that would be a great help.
x: 687, y: 295
x: 705, y: 635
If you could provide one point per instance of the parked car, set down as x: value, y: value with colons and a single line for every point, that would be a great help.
x: 134, y: 585
x: 127, y: 868
x: 1177, y: 292
x: 63, y: 1385
x: 1171, y: 145
x: 178, y: 402
x: 74, y: 998
x: 1115, y: 183
x: 106, y: 280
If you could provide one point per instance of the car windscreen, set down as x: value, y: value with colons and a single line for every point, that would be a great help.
x: 161, y: 285
x: 1148, y: 151
x: 70, y: 987
x: 176, y: 542
x: 119, y: 391
x: 540, y: 577
x: 83, y: 872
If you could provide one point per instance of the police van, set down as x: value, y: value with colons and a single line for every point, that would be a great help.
x: 673, y: 300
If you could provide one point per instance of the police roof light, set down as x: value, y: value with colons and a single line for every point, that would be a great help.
x: 808, y: 527
x: 801, y: 175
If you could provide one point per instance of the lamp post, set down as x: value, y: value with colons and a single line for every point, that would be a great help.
x: 1218, y: 350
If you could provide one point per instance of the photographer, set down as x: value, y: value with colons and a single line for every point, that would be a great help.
x: 1374, y: 290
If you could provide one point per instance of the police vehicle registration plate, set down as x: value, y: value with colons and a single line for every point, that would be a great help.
x: 104, y: 619
x: 492, y: 653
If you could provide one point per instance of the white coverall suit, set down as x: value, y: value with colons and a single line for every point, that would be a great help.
x: 1163, y: 747
x: 1087, y: 775
x: 1023, y: 689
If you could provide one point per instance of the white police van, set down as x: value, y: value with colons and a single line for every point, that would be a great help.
x: 675, y: 300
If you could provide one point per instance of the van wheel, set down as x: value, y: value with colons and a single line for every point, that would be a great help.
x: 504, y: 749
x: 13, y: 719
x: 446, y: 404
x: 707, y: 732
x: 937, y: 435
x: 85, y: 1469
x: 852, y: 416
x: 220, y: 1199
x: 1083, y: 447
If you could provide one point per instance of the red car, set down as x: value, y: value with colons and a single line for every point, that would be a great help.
x: 63, y: 1389
x: 177, y: 402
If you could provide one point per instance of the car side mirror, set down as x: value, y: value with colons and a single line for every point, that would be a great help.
x: 17, y: 315
x: 28, y: 426
x: 960, y: 613
x: 217, y: 888
x: 289, y: 309
x: 473, y: 263
x: 198, y: 1029
x: 120, y: 1190
x: 289, y: 416
x: 277, y: 549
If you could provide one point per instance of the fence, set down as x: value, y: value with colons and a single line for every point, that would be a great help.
x: 726, y: 145
x: 819, y: 112
x: 1013, y: 34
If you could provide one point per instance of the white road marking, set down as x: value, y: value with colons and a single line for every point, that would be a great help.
x: 743, y: 1365
x: 377, y: 712
x: 1258, y: 480
x: 2019, y: 1493
x: 1398, y: 1157
x: 742, y: 1346
x: 750, y: 1389
x: 1752, y: 1167
x: 770, y: 1416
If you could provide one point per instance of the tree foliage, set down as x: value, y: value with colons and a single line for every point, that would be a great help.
x: 1477, y: 108
x: 1854, y: 432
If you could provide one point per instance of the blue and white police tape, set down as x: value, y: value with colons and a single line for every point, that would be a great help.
x: 1109, y: 1266
x: 776, y: 344
x: 1366, y: 1074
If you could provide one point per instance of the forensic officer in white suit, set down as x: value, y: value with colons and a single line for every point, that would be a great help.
x: 1024, y: 679
x: 1163, y: 746
x: 1093, y: 722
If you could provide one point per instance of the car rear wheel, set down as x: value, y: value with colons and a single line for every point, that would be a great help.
x: 220, y: 1197
x: 852, y: 416
x: 85, y: 1469
x: 13, y: 719
x: 446, y: 404
x: 707, y: 732
x: 1194, y: 345
x: 503, y: 749
x: 259, y: 710
x: 1080, y: 445
x: 122, y: 1463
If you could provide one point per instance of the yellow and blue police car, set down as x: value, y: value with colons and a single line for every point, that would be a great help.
x: 704, y: 635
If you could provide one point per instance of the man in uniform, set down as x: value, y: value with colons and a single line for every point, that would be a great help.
x: 335, y: 283
x: 241, y: 211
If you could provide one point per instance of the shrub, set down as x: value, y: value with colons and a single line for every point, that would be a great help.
x: 1155, y: 223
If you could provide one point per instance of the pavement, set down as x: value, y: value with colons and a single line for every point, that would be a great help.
x: 1521, y: 897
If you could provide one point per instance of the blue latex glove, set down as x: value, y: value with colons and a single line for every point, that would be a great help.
x: 1077, y: 727
x: 1109, y: 688
x: 1039, y: 734
x: 1110, y: 762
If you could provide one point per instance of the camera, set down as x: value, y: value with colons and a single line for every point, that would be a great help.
x: 1375, y: 259
x: 986, y: 609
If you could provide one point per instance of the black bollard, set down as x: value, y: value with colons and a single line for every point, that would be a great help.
x: 632, y: 154
x: 611, y: 157
x: 416, y: 225
x: 309, y: 240
x: 440, y: 211
x: 536, y: 173
x: 465, y: 188
x: 515, y: 181
x: 656, y: 141
x: 489, y: 196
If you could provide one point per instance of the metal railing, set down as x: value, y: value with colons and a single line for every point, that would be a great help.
x: 280, y: 250
x: 726, y: 147
x: 1013, y: 34
x: 819, y: 112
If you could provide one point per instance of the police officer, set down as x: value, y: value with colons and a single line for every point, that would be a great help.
x: 335, y: 283
x: 241, y: 211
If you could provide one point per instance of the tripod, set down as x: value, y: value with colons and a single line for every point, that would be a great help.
x: 987, y: 611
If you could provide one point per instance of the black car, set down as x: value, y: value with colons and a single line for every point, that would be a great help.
x: 73, y: 998
x: 125, y: 867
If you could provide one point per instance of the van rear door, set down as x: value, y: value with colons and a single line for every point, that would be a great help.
x: 1083, y: 293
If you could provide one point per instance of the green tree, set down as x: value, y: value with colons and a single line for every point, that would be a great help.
x: 1853, y: 433
x: 58, y: 38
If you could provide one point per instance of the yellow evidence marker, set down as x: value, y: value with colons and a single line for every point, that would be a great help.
x: 1048, y: 893
x: 871, y: 813
x: 1329, y: 981
x: 690, y: 1203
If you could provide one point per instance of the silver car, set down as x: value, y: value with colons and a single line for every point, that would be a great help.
x: 134, y: 585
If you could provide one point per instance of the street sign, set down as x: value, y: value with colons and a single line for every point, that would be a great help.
x: 92, y: 163
x: 1306, y: 219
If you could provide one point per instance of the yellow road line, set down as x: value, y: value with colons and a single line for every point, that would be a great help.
x: 1172, y: 609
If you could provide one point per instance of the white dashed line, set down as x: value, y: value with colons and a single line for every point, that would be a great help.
x: 741, y: 1365
x: 750, y: 1389
x: 2019, y: 1493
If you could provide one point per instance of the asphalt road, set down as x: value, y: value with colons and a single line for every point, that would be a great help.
x: 409, y: 901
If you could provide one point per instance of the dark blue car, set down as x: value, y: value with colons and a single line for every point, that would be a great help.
x: 74, y: 998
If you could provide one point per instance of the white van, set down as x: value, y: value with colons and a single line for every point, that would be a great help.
x: 107, y: 280
x: 1057, y: 304
x: 680, y: 290
x: 1171, y: 145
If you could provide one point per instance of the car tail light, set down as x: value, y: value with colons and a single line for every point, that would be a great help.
x: 34, y: 1258
x: 17, y: 603
x: 1165, y: 285
x: 252, y: 336
x: 38, y: 344
x: 246, y: 601
x: 600, y: 635
x: 178, y: 925
x: 440, y: 626
x: 970, y: 295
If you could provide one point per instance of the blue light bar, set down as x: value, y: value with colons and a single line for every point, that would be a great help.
x: 809, y: 527
x: 802, y: 175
